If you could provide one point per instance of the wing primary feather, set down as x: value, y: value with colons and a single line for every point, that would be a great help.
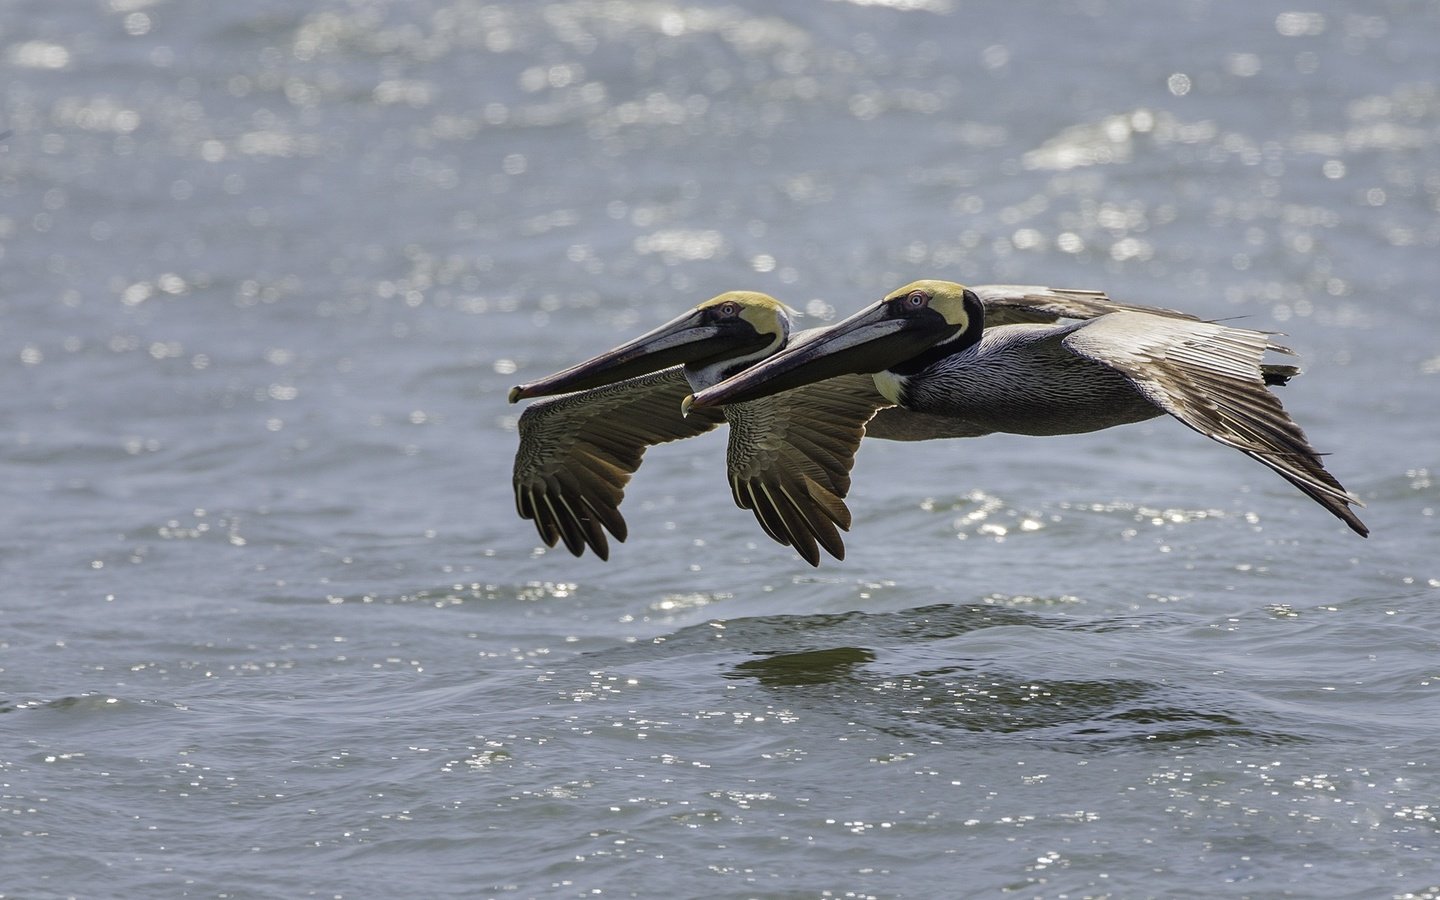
x: 549, y: 533
x: 768, y: 518
x: 794, y: 524
x: 573, y: 542
x: 821, y: 528
x: 589, y: 529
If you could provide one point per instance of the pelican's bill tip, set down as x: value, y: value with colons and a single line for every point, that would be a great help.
x: 685, y: 405
x: 517, y: 393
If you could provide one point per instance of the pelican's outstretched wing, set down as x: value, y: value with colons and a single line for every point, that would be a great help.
x: 1210, y: 377
x: 790, y: 457
x: 1011, y: 304
x: 578, y: 451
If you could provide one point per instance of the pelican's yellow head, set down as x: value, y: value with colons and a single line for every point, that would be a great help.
x: 944, y: 297
x: 768, y: 317
x: 715, y: 339
x: 756, y: 326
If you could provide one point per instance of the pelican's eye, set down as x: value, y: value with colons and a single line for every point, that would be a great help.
x: 917, y: 300
x: 727, y: 310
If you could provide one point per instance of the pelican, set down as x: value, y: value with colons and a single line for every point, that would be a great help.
x: 789, y: 455
x: 930, y: 352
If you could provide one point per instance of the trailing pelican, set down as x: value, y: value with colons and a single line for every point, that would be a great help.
x: 930, y: 352
x: 789, y: 455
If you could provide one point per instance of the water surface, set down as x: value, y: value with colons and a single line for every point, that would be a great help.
x: 270, y: 626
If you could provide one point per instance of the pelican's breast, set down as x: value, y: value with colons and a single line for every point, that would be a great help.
x: 1020, y: 379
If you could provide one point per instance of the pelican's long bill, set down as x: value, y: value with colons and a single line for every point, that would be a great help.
x: 896, y: 329
x: 693, y: 338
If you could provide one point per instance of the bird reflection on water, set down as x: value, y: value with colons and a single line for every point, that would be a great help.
x: 944, y: 671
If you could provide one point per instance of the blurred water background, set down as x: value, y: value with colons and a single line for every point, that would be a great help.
x: 269, y: 625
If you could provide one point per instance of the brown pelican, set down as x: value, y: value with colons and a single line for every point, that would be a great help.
x: 930, y: 352
x: 789, y: 455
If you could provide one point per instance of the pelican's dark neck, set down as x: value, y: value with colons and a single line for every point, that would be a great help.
x: 733, y: 367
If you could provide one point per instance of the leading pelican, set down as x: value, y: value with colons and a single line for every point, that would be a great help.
x: 930, y: 352
x: 789, y: 456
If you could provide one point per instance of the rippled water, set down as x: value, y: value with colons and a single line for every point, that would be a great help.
x: 271, y: 628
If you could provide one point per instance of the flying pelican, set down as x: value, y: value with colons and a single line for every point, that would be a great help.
x: 789, y: 456
x: 930, y: 352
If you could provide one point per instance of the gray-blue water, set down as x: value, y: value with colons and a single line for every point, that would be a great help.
x: 269, y: 625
